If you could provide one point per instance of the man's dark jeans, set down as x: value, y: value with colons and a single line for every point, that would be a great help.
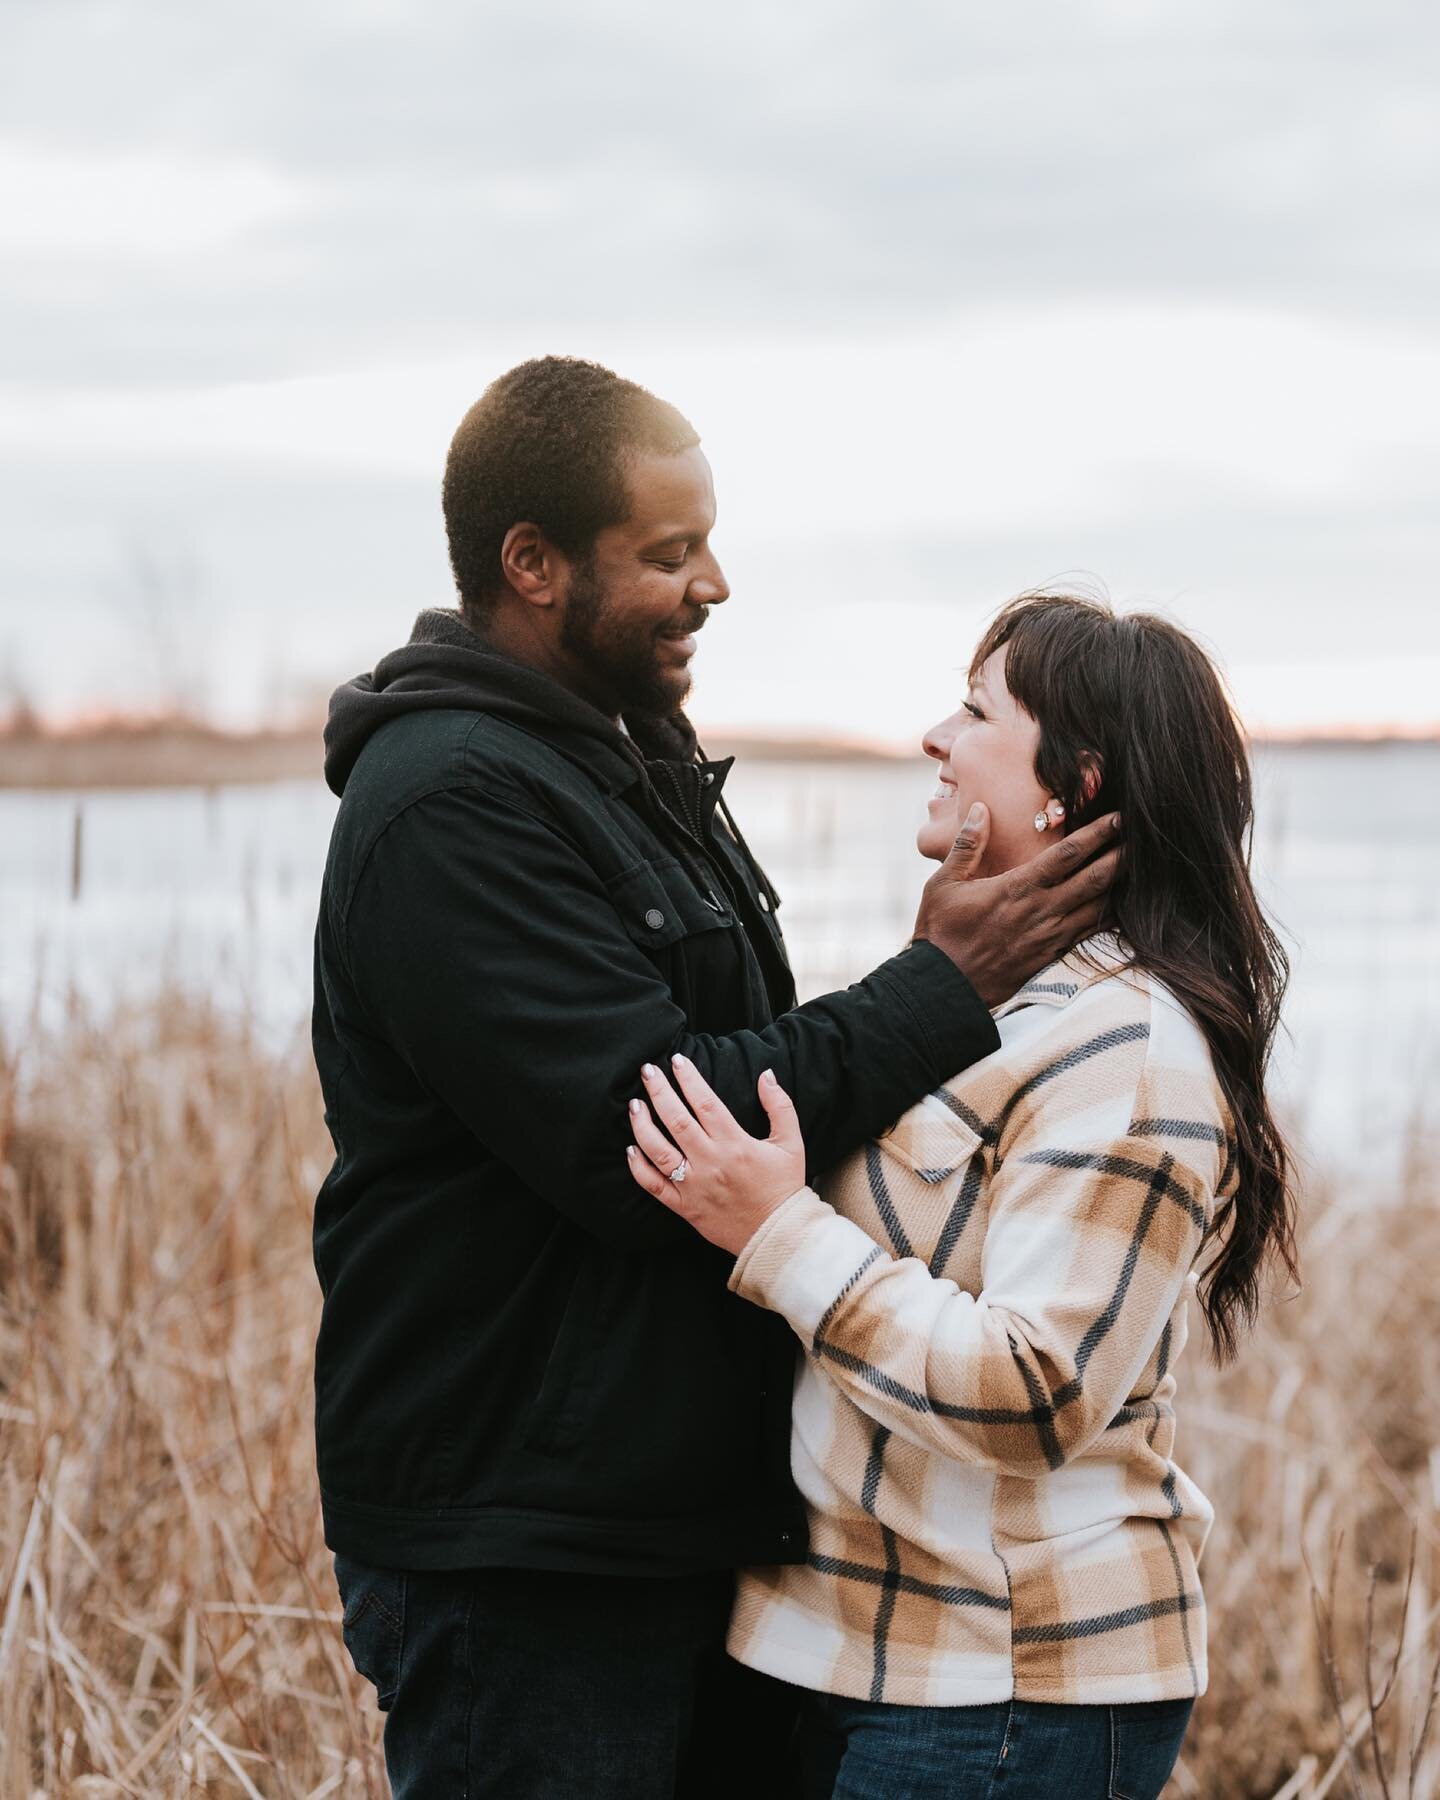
x: 533, y: 1685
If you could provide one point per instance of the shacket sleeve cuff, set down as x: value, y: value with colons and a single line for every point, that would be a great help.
x: 953, y: 1020
x: 802, y: 1260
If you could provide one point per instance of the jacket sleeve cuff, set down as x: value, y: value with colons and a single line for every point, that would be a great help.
x: 802, y: 1260
x: 952, y: 1019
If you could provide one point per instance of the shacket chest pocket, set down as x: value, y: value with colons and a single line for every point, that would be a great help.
x: 927, y: 1178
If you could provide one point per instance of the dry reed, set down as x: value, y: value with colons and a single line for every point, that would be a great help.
x: 168, y: 1618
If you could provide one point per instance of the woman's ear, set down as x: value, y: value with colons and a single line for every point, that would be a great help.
x: 1092, y: 773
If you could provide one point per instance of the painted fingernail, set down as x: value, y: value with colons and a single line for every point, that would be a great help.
x: 768, y: 1077
x: 649, y: 1071
x: 629, y: 1153
x: 637, y: 1106
x: 680, y: 1062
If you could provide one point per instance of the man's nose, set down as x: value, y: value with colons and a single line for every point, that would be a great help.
x: 709, y: 586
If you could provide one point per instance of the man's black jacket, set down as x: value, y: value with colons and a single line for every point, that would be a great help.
x: 524, y: 1360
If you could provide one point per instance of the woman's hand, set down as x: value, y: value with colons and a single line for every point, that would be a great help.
x: 731, y: 1182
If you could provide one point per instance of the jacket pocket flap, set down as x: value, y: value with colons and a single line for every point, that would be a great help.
x: 658, y: 903
x: 931, y: 1138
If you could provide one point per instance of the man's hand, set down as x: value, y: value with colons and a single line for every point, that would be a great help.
x: 999, y: 930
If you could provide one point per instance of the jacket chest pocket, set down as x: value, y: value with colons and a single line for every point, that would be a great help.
x: 659, y: 905
x: 929, y: 1173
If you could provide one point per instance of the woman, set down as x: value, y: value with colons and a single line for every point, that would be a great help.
x: 1001, y: 1583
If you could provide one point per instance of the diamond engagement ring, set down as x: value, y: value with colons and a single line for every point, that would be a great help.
x: 680, y: 1171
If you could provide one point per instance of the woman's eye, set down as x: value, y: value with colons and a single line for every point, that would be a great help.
x: 973, y: 710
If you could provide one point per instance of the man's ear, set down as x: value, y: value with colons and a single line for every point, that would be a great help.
x: 530, y: 564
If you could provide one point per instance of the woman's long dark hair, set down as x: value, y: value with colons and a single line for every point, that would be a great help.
x: 1137, y: 701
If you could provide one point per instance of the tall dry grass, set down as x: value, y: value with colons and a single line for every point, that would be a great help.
x: 169, y: 1622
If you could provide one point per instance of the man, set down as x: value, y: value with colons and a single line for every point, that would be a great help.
x: 546, y: 1433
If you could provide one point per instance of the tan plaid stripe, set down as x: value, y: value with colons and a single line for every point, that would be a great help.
x: 992, y: 1299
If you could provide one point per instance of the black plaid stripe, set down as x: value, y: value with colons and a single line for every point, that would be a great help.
x: 1162, y: 1359
x: 884, y: 1205
x: 985, y: 1132
x: 1065, y: 1631
x: 1197, y: 1130
x: 1184, y: 1601
x: 959, y: 1213
x: 917, y: 1402
x: 946, y: 1593
x: 890, y: 1579
x: 839, y: 1300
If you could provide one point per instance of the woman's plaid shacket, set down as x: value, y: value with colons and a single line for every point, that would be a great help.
x: 991, y: 1301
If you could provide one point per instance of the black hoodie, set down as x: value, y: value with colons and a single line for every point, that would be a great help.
x: 523, y: 1360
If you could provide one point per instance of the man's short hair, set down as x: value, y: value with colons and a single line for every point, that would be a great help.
x: 547, y: 443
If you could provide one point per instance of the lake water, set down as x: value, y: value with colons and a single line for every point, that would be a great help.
x: 216, y: 890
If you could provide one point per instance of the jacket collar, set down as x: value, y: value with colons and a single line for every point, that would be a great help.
x: 1092, y: 960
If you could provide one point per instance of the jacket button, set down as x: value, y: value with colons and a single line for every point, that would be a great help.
x: 785, y: 1539
x: 764, y: 902
x: 654, y: 918
x: 707, y: 778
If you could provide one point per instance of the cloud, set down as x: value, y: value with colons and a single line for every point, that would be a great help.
x: 60, y: 207
x: 409, y: 179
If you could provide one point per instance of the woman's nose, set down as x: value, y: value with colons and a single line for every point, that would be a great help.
x: 938, y: 739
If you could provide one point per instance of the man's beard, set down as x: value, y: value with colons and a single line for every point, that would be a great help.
x: 620, y: 657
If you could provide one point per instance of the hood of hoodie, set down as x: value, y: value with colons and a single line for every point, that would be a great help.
x: 446, y: 664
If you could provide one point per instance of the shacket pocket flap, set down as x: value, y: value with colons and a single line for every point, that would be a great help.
x: 658, y: 904
x: 931, y: 1138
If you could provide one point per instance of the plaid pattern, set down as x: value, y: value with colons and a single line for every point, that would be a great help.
x: 992, y: 1299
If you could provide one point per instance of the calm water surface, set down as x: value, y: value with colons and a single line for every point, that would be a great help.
x: 216, y: 890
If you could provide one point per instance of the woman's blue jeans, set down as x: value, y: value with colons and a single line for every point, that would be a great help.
x: 1014, y: 1750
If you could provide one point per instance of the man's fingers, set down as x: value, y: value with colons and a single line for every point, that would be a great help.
x: 1098, y: 877
x: 1082, y: 923
x: 968, y: 850
x: 1062, y: 860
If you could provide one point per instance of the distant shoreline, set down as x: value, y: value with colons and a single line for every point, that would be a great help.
x: 185, y: 755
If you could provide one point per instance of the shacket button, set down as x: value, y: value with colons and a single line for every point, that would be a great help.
x: 707, y: 778
x: 764, y: 902
x: 654, y: 918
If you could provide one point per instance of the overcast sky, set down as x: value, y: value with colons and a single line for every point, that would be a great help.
x: 962, y: 298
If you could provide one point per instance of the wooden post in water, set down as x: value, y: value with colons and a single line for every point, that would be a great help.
x: 77, y: 851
